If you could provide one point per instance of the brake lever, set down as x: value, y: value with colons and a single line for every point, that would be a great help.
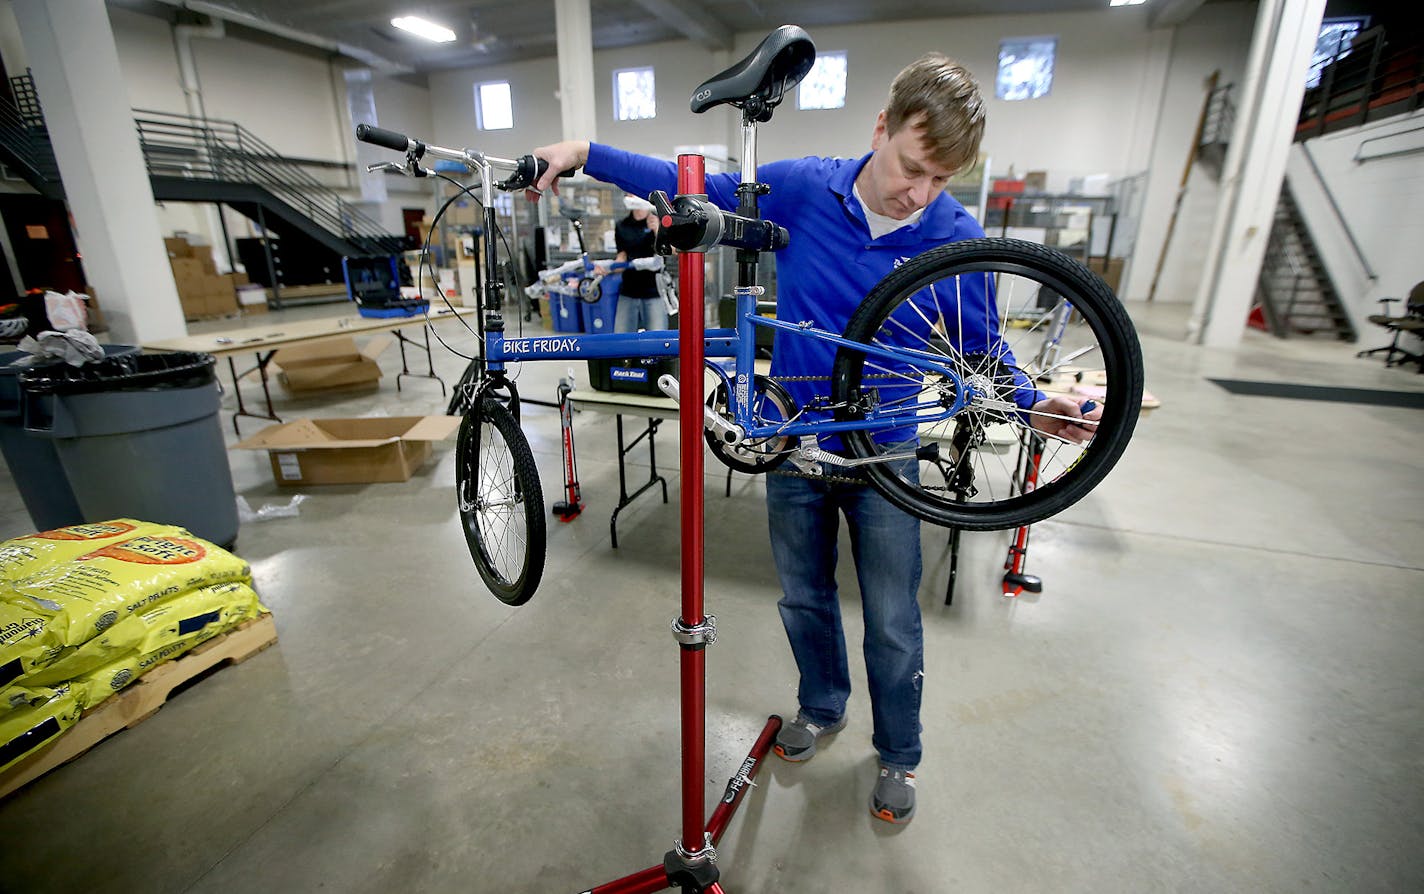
x: 388, y: 166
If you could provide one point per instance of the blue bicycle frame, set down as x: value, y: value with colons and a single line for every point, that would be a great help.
x: 738, y: 343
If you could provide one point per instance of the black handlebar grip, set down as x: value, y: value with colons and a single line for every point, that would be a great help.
x: 542, y: 166
x: 382, y: 137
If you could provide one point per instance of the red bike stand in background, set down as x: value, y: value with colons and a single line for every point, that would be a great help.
x: 692, y: 863
x: 1015, y: 581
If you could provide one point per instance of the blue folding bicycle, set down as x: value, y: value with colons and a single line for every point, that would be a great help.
x: 928, y: 418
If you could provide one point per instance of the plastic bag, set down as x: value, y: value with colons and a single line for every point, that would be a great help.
x: 245, y: 512
x: 66, y: 311
x: 75, y: 347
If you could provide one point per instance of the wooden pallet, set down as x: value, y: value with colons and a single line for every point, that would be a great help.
x: 141, y: 700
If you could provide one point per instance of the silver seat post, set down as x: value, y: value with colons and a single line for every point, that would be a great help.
x: 749, y: 158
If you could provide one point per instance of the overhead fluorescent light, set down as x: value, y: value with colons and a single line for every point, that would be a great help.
x: 428, y: 30
x: 1126, y: 2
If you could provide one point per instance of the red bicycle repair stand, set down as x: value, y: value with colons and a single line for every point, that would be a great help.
x: 692, y: 863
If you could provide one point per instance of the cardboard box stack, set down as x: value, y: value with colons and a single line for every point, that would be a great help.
x: 203, y: 292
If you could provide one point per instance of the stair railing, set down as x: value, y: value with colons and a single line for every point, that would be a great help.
x: 1335, y: 207
x: 216, y: 149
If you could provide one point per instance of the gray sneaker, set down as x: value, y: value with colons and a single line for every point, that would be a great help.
x: 797, y: 739
x: 894, y: 797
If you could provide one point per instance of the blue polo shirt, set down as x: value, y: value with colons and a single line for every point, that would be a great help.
x: 832, y: 263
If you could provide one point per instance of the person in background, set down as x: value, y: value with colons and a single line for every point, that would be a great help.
x: 640, y: 306
x: 852, y: 221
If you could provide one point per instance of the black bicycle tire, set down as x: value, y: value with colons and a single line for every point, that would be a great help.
x: 518, y: 589
x: 1090, y: 297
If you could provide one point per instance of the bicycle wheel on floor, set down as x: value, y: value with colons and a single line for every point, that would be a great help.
x: 993, y: 312
x: 501, y: 503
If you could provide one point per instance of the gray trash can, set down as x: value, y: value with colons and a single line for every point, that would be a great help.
x: 33, y: 461
x: 139, y: 437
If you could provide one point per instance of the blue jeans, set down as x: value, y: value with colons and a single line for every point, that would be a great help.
x: 885, y: 543
x: 640, y: 313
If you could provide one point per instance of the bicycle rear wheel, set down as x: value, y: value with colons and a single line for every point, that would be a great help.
x: 996, y: 313
x: 501, y: 503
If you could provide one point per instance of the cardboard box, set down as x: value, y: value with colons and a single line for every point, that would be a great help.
x: 251, y: 299
x: 350, y: 451
x: 188, y: 275
x: 332, y: 365
x: 178, y: 248
x: 1110, y: 269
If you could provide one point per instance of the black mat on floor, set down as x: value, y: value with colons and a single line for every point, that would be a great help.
x: 1411, y: 399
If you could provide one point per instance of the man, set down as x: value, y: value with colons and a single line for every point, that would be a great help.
x: 852, y: 221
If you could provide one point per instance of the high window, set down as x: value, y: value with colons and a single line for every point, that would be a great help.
x: 493, y: 108
x: 1335, y: 38
x: 1025, y: 67
x: 824, y: 87
x: 634, y: 97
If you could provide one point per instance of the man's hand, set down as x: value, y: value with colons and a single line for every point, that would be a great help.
x: 1063, y: 417
x: 561, y: 157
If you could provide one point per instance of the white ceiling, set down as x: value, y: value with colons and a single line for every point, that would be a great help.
x: 491, y: 31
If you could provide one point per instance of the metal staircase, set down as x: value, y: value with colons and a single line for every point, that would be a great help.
x: 216, y: 161
x: 1294, y: 290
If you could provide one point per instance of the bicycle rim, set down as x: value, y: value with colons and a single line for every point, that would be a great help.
x: 996, y: 312
x: 501, y: 503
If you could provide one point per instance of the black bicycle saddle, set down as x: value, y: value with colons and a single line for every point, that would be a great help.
x: 777, y: 64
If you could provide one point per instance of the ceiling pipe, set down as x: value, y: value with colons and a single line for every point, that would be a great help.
x: 183, y: 36
x: 219, y: 12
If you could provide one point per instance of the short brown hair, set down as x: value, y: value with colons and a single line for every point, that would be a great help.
x: 941, y: 97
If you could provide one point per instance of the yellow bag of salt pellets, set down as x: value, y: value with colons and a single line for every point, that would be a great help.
x: 23, y: 556
x: 222, y: 606
x: 88, y: 595
x: 121, y: 639
x: 32, y: 718
x: 26, y: 643
x: 92, y: 688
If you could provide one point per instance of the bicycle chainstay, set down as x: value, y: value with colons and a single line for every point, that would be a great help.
x: 852, y: 476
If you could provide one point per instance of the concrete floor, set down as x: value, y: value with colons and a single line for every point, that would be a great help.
x: 1218, y: 689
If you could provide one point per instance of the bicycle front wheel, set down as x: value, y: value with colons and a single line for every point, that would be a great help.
x: 501, y: 503
x: 1020, y: 325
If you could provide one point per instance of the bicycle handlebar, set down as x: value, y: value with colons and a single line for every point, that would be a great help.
x: 367, y: 133
x: 524, y: 171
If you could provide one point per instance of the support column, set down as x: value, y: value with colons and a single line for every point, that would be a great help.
x: 574, y: 26
x: 1268, y: 106
x: 71, y: 51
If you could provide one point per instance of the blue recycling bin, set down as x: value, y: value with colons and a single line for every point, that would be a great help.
x: 599, y: 317
x: 565, y: 314
x: 31, y: 457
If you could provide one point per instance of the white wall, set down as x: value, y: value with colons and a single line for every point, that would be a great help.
x: 1125, y: 98
x: 1216, y: 38
x: 290, y: 99
x: 1379, y: 201
x: 1087, y: 124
